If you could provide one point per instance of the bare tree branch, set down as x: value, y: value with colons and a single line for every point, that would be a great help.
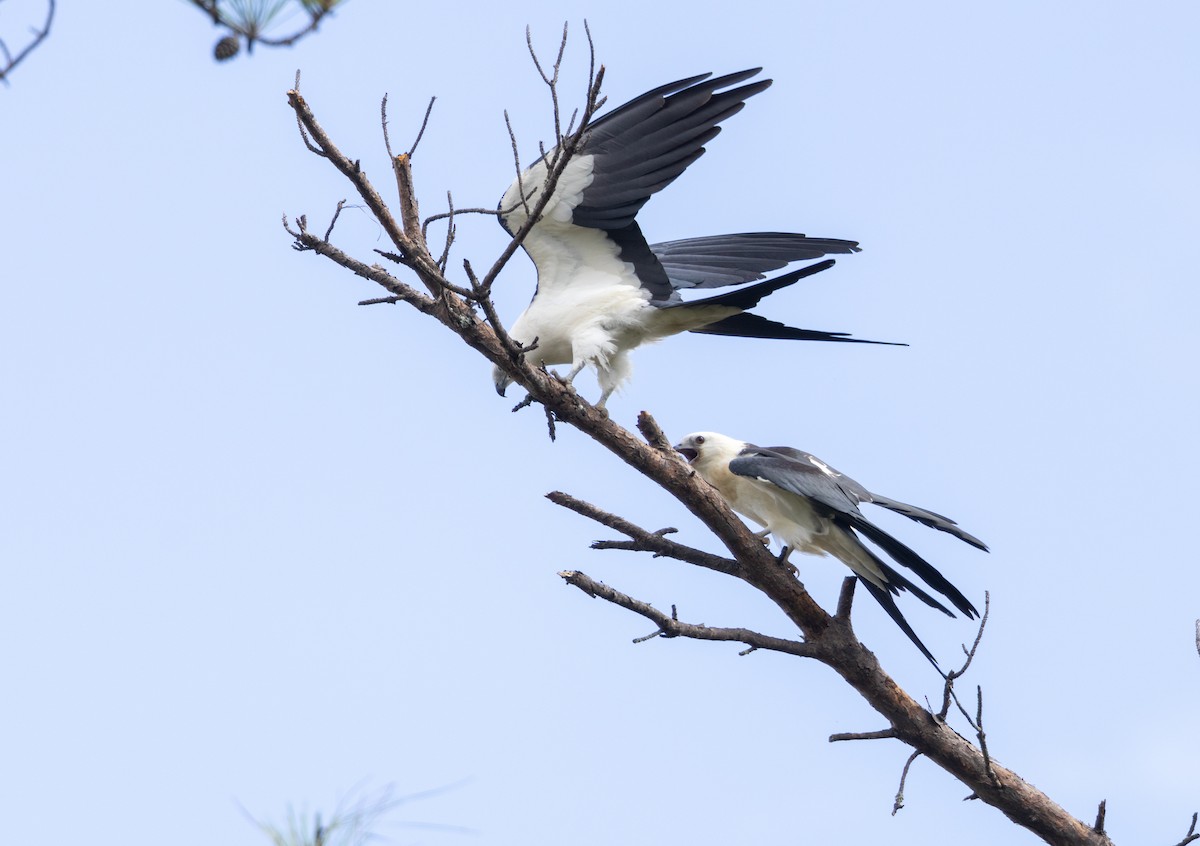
x: 948, y: 687
x: 883, y: 734
x: 898, y: 803
x: 424, y: 123
x: 643, y: 541
x: 1191, y: 835
x: 10, y: 60
x: 668, y: 626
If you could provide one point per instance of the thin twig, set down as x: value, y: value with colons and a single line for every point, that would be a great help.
x: 979, y: 732
x: 443, y: 215
x: 948, y: 690
x: 899, y: 802
x: 383, y: 121
x: 551, y: 81
x: 450, y: 231
x: 512, y: 137
x: 424, y: 123
x: 305, y: 241
x: 417, y: 256
x: 39, y: 35
x: 563, y: 155
x: 643, y: 541
x: 341, y: 205
x: 1191, y: 835
x: 669, y: 627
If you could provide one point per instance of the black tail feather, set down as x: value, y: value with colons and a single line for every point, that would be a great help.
x: 929, y: 518
x: 886, y: 600
x: 748, y: 297
x: 747, y: 325
x: 905, y: 556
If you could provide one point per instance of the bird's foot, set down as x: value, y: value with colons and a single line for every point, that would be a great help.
x: 783, y: 561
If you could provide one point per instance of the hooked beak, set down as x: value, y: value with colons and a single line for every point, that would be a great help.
x: 687, y: 452
x: 501, y: 380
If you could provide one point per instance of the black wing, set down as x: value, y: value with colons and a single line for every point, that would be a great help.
x: 720, y: 260
x: 643, y: 146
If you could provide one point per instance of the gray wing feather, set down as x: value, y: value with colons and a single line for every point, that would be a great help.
x: 928, y: 518
x: 860, y: 494
x: 721, y: 260
x: 795, y: 475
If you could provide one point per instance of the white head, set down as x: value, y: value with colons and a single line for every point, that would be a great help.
x: 708, y: 449
x: 501, y: 380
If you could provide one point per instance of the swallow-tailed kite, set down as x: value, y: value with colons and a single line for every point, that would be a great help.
x: 602, y: 289
x: 811, y: 507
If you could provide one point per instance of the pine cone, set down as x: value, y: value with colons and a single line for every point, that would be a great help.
x: 227, y: 48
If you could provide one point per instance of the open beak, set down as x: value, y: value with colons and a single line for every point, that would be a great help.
x: 687, y: 452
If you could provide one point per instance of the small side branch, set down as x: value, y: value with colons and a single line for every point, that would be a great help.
x: 643, y: 541
x: 562, y: 155
x: 1191, y: 835
x: 899, y: 801
x: 10, y: 60
x: 412, y: 249
x: 668, y: 626
x: 948, y: 694
x: 424, y: 123
x: 654, y: 434
x: 882, y: 734
x: 305, y: 240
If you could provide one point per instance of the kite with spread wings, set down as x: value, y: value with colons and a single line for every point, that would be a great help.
x: 602, y: 289
x: 811, y: 507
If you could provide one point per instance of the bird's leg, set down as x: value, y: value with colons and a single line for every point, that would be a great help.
x: 765, y: 536
x: 575, y: 371
x: 784, y: 554
x: 608, y: 392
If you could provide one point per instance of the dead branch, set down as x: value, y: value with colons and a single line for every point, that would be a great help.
x: 669, y: 626
x: 948, y: 694
x: 882, y: 734
x: 898, y: 803
x: 562, y: 155
x: 643, y: 541
x: 1191, y: 835
x: 10, y: 60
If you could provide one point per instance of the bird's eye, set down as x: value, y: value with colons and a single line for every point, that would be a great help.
x: 699, y: 439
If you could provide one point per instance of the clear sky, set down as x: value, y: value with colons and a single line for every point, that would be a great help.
x: 261, y: 545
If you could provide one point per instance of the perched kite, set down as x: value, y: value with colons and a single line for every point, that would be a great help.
x: 811, y: 507
x: 602, y: 289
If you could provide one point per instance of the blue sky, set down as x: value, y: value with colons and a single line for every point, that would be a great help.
x: 261, y: 545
